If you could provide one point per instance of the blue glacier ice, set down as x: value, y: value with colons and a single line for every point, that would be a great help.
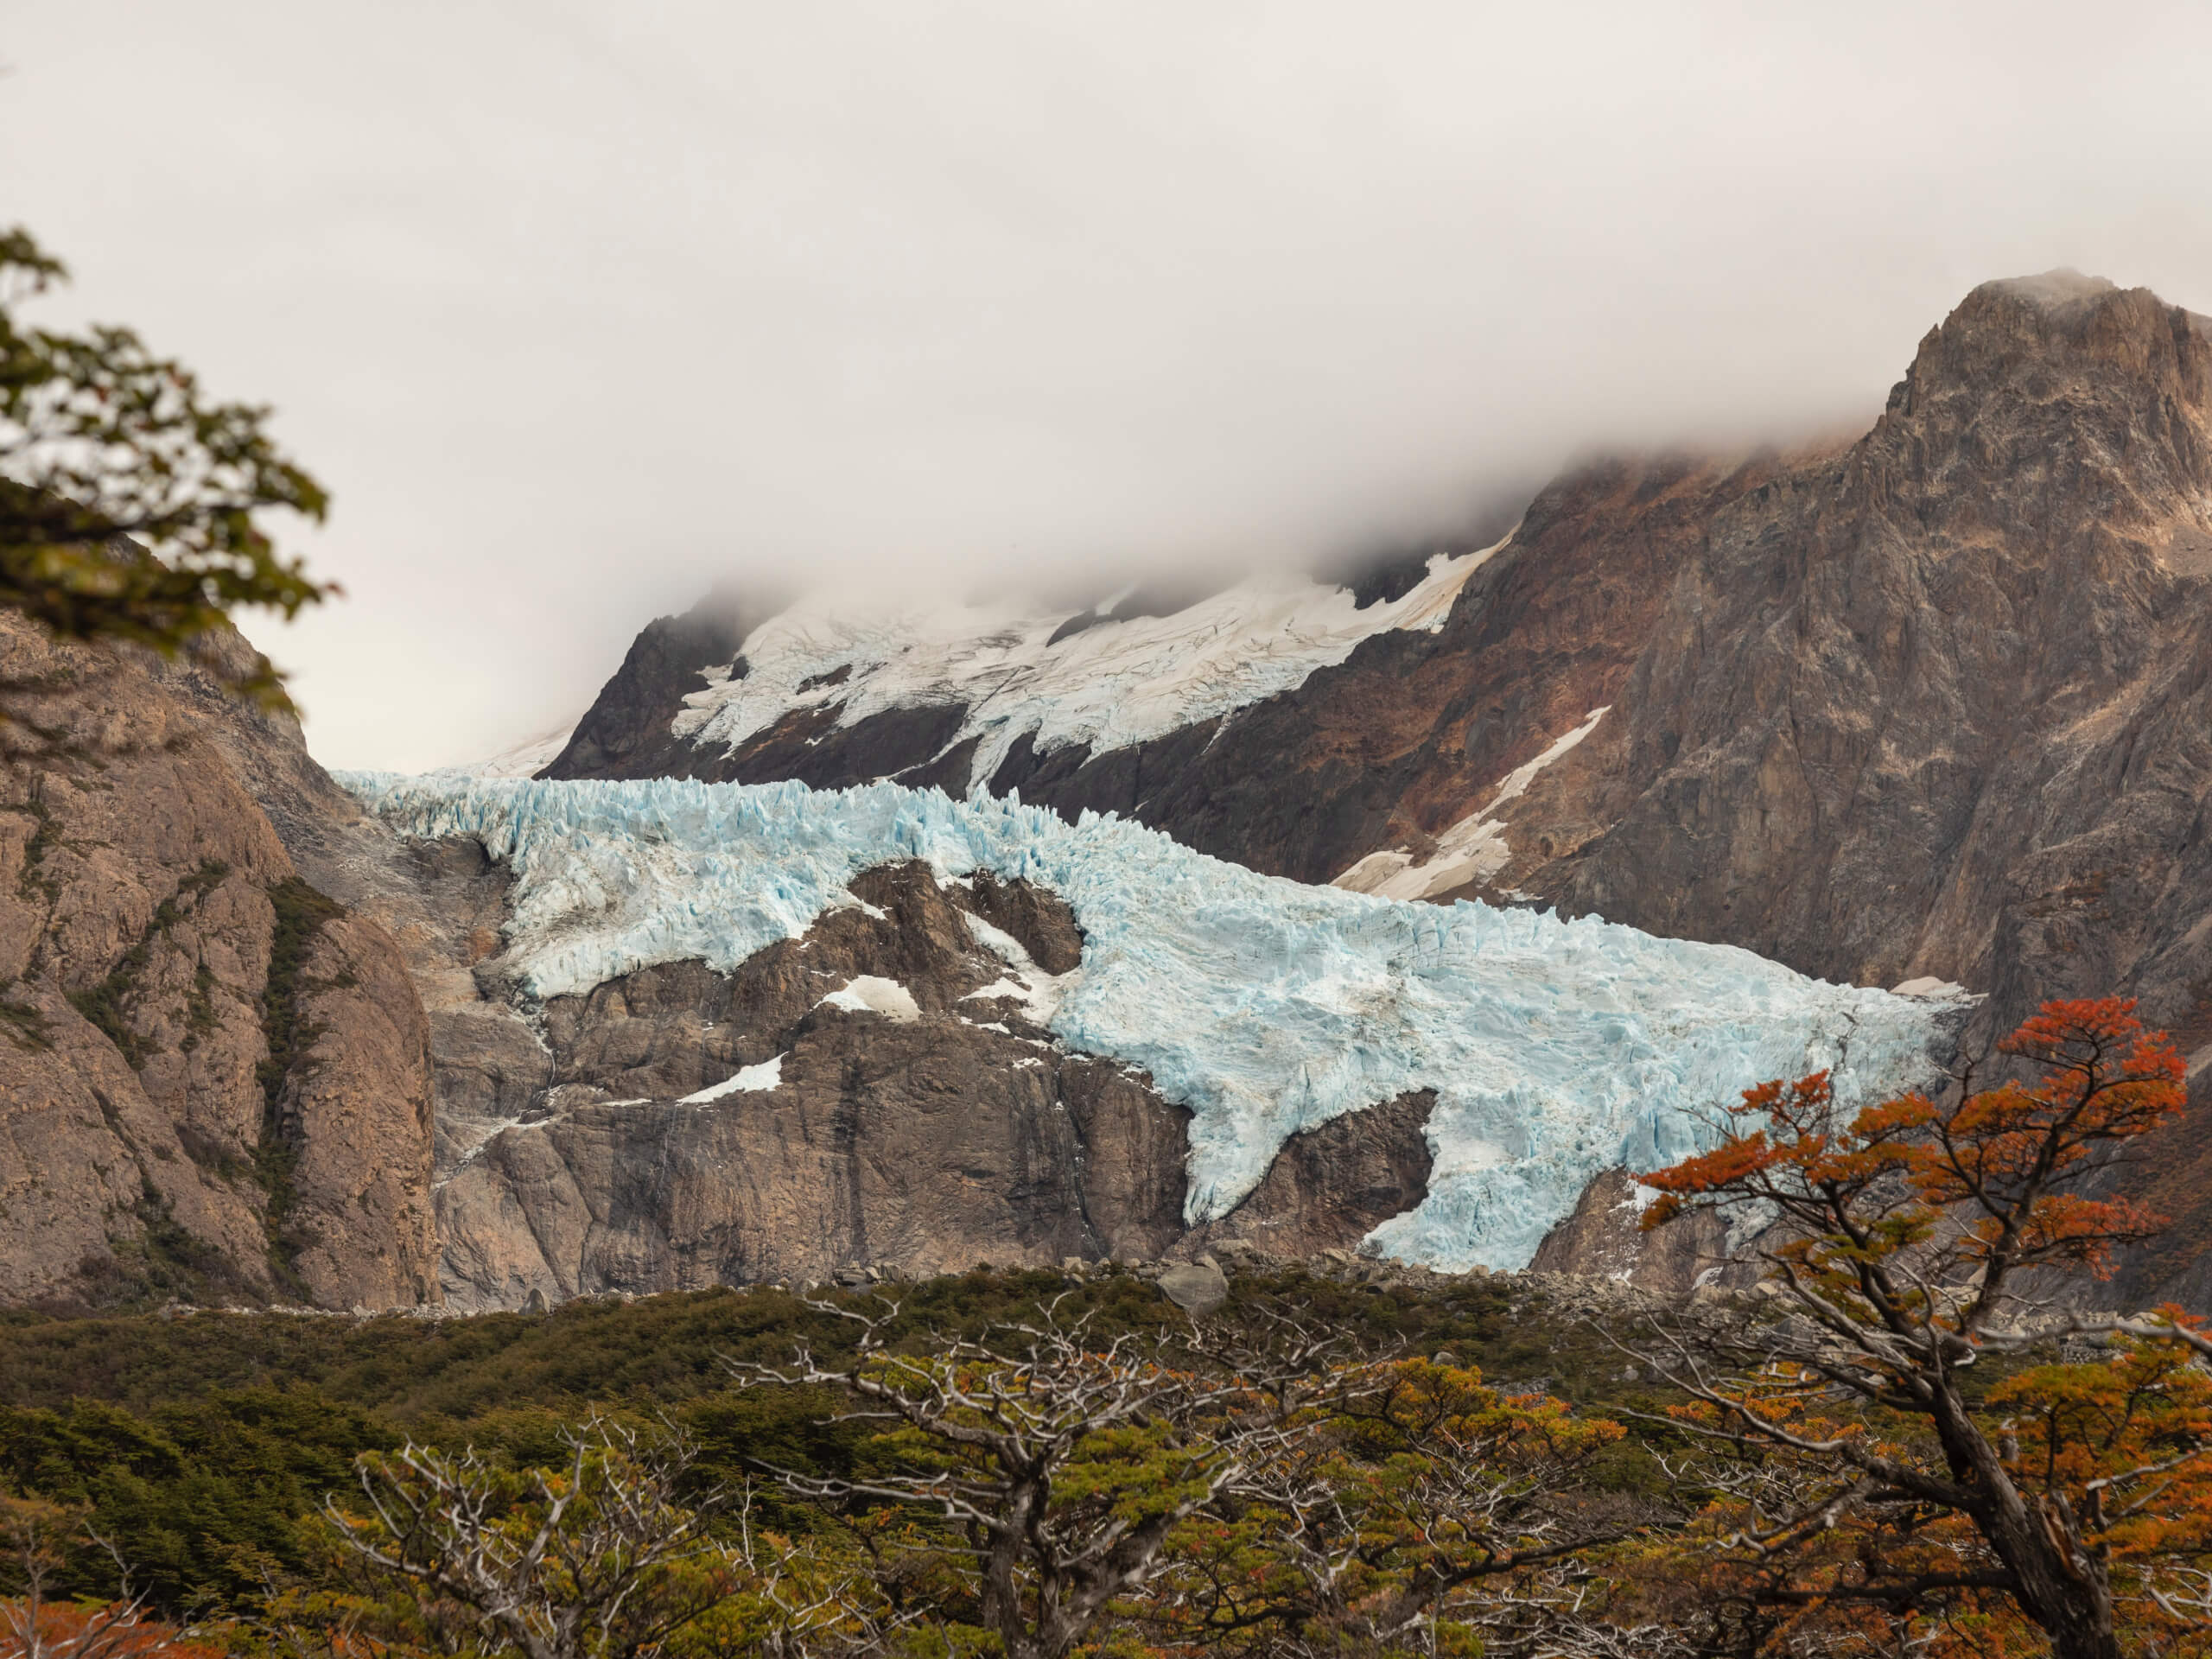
x: 1556, y: 1048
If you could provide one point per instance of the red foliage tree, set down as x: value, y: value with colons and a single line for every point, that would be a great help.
x: 1906, y: 1232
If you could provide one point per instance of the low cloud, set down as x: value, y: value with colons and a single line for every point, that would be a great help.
x: 581, y: 308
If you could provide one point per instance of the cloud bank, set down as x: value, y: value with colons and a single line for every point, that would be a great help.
x: 581, y: 307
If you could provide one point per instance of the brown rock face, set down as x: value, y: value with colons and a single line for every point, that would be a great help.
x: 626, y: 732
x: 1330, y: 1187
x: 942, y: 1130
x: 215, y: 1081
x: 1603, y: 1240
x: 917, y: 1130
x: 1937, y: 706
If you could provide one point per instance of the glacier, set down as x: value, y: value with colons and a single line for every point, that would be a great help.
x: 1016, y: 673
x: 1557, y: 1048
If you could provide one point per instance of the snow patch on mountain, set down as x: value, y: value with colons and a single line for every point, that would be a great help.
x: 1557, y: 1048
x: 746, y: 1080
x: 1118, y: 682
x: 1474, y: 849
x: 1039, y: 992
x: 526, y: 758
x: 871, y: 995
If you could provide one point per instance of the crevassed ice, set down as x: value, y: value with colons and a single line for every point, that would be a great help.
x: 1556, y: 1048
x: 1109, y: 686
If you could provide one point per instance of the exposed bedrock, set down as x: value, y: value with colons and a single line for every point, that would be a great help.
x: 1604, y: 1239
x: 882, y: 1107
x: 215, y: 1080
x: 1333, y: 1185
x: 625, y: 734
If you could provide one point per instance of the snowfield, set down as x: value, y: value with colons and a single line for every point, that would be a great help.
x: 532, y: 755
x: 1112, y: 684
x: 1474, y: 849
x: 1557, y: 1048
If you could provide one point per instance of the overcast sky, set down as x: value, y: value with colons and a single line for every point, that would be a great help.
x: 578, y: 305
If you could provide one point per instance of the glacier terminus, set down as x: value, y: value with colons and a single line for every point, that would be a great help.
x: 1557, y: 1048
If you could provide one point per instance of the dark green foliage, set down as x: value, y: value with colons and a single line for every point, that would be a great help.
x: 665, y: 1350
x: 204, y: 1496
x: 300, y: 913
x: 106, y: 441
x: 199, y: 1016
x: 31, y: 880
x: 106, y: 1005
x: 223, y: 1509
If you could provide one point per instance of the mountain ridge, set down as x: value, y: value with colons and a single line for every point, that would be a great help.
x: 1927, y: 703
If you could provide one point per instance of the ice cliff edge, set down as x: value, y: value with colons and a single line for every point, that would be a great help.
x: 1556, y: 1048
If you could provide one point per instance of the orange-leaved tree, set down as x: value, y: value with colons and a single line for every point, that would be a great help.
x: 36, y: 1622
x: 1863, y: 1469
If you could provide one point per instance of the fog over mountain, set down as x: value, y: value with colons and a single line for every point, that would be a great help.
x: 578, y: 307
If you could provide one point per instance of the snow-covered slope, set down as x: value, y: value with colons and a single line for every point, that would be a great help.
x: 524, y: 759
x: 1087, y: 678
x: 1557, y: 1049
x: 1474, y: 849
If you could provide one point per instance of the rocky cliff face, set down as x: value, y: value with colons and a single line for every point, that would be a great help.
x: 432, y: 1135
x: 627, y: 732
x: 215, y: 1080
x: 1936, y: 705
x: 855, y: 1100
x: 1930, y: 704
x: 1604, y: 1239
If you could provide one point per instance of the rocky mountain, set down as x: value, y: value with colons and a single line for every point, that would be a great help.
x: 1924, y: 708
x: 259, y: 1047
x: 214, y: 1079
x: 1928, y: 704
x: 918, y: 1120
x: 791, y: 1035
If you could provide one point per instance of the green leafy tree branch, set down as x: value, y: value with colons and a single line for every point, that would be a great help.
x: 132, y: 508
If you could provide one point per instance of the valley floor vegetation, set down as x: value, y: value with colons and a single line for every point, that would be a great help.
x: 1873, y: 1449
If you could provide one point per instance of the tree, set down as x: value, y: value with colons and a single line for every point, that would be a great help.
x: 1421, y: 1499
x: 1062, y: 1467
x: 600, y: 1560
x: 132, y: 508
x: 1253, y: 1490
x: 1861, y: 1470
x: 36, y: 1623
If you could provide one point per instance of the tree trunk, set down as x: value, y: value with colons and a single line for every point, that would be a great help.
x: 2058, y: 1589
x: 1002, y: 1586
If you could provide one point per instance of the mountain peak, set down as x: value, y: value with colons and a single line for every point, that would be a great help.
x: 2061, y: 320
x: 2053, y: 399
x: 2052, y: 290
